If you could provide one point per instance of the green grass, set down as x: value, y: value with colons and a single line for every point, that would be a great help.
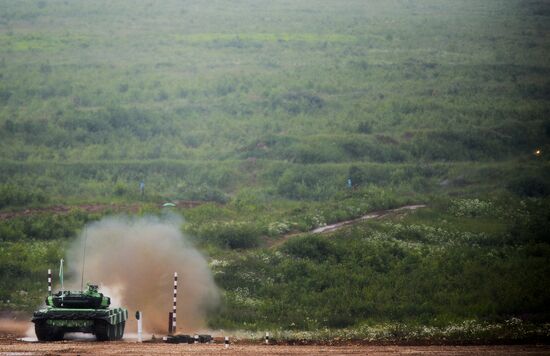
x: 264, y: 109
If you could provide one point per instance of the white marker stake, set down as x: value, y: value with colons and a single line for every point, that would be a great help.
x: 140, y: 326
x: 226, y: 342
x: 266, y: 338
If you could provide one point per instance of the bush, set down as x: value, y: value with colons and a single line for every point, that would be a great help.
x: 364, y: 127
x: 533, y: 225
x: 315, y: 248
x: 121, y: 189
x: 458, y: 145
x: 310, y: 182
x: 232, y: 234
x: 529, y: 187
x: 44, y: 226
x: 471, y: 207
x: 11, y: 195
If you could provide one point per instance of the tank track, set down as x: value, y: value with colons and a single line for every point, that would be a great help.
x: 45, y: 332
x: 107, y: 332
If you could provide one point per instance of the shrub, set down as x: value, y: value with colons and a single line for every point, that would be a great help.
x: 11, y: 195
x: 364, y: 127
x: 278, y: 228
x: 533, y: 225
x: 121, y: 189
x: 529, y: 187
x: 471, y: 207
x: 231, y: 234
x: 311, y: 247
x: 310, y: 182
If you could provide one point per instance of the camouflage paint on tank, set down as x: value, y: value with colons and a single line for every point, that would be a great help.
x: 79, y: 311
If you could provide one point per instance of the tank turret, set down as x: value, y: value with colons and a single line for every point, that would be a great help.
x: 91, y: 298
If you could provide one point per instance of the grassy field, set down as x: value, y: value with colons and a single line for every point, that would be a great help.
x: 99, y: 97
x: 264, y: 109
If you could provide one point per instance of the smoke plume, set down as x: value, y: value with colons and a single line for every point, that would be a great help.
x: 134, y: 260
x: 12, y: 327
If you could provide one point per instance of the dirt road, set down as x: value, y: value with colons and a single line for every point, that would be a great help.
x: 373, y: 215
x: 15, y: 347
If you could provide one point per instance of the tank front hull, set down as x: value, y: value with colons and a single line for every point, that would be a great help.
x: 106, y: 324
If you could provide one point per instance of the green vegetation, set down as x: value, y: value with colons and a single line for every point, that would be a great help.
x: 218, y: 97
x: 263, y: 110
x: 432, y: 267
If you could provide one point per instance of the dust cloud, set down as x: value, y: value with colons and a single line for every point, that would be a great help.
x: 133, y: 261
x: 16, y: 328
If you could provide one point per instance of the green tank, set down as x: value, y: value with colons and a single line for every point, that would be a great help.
x: 82, y: 311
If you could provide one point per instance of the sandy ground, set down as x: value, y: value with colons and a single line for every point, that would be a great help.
x: 12, y: 347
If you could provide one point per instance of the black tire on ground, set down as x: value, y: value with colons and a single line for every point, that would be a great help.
x: 45, y: 332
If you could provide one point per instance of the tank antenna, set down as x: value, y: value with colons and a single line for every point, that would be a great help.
x: 83, y: 257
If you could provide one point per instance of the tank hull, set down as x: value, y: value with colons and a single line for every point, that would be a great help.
x: 52, y: 323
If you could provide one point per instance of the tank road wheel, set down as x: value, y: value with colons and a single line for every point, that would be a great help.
x: 45, y: 332
x: 104, y: 331
x: 107, y: 332
x: 117, y: 331
x: 113, y: 332
x: 120, y: 329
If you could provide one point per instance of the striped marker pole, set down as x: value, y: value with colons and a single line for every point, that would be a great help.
x: 226, y: 342
x: 196, y: 337
x: 49, y: 282
x: 266, y: 338
x: 175, y: 298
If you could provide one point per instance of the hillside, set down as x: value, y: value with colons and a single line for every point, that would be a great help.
x: 262, y: 111
x: 99, y: 95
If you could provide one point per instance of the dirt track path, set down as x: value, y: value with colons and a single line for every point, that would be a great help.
x: 374, y: 215
x: 11, y: 347
x: 329, y: 228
